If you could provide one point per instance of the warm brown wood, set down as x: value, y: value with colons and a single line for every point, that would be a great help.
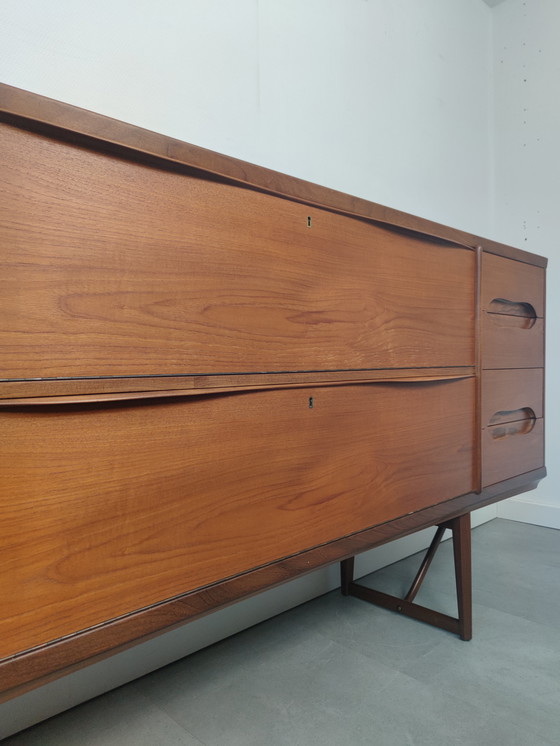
x: 512, y: 281
x: 426, y: 562
x: 510, y: 390
x: 462, y: 624
x: 407, y: 608
x: 28, y: 110
x: 512, y: 379
x: 195, y: 512
x: 191, y: 387
x: 214, y: 378
x: 461, y: 528
x: 35, y: 667
x: 507, y: 451
x: 155, y: 288
x: 512, y: 342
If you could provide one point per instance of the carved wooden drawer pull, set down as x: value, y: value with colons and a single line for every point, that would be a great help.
x: 518, y: 313
x: 514, y: 422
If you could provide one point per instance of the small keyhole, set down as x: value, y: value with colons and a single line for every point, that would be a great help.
x: 309, y: 221
x: 311, y: 402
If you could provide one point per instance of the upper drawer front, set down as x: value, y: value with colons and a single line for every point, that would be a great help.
x: 513, y: 296
x: 107, y: 509
x: 109, y: 267
x: 513, y: 282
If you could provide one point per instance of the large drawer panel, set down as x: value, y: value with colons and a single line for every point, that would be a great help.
x: 107, y: 509
x: 129, y: 269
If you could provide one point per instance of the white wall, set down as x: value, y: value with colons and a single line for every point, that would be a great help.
x: 386, y: 99
x: 527, y: 205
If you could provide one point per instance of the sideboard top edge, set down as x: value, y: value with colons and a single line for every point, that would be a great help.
x: 18, y: 106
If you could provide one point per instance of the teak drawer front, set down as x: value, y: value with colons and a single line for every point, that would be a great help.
x: 109, y: 509
x: 512, y: 342
x: 513, y: 297
x: 513, y: 282
x: 111, y: 267
x: 507, y: 454
x: 511, y: 390
x: 511, y: 415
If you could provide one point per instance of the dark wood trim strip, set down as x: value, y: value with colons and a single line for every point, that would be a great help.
x: 478, y: 352
x: 56, y: 401
x: 407, y: 608
x: 25, y: 109
x: 36, y: 667
x: 196, y: 385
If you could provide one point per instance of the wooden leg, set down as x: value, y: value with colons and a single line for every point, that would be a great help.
x: 462, y: 625
x: 346, y: 575
x: 463, y: 573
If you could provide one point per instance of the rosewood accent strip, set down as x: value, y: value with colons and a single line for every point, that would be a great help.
x: 53, y: 401
x: 234, y: 382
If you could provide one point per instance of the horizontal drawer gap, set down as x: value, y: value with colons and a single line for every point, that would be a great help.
x: 200, y: 384
x: 237, y: 374
x: 51, y: 401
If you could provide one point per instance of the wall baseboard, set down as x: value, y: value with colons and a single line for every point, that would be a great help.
x: 525, y: 511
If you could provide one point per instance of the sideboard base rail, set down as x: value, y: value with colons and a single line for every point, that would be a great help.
x: 462, y: 625
x: 38, y: 666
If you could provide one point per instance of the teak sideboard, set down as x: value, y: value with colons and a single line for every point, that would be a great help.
x: 215, y: 377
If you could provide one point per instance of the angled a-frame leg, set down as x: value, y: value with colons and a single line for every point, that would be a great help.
x: 461, y: 529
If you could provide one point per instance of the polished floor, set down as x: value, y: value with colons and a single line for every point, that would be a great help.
x: 337, y: 672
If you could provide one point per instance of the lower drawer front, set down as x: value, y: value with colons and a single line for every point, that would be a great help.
x: 511, y: 449
x: 512, y: 421
x: 512, y: 342
x: 109, y: 508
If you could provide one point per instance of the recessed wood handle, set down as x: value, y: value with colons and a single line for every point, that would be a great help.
x: 519, y: 309
x: 512, y: 422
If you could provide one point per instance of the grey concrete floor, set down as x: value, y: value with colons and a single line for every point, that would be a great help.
x: 337, y: 671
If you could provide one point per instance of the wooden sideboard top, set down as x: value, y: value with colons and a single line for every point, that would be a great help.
x: 30, y: 110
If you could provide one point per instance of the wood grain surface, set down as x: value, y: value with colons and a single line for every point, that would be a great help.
x: 508, y: 390
x: 214, y: 377
x: 520, y: 450
x: 512, y: 341
x: 109, y: 509
x: 513, y: 281
x: 115, y: 268
x: 38, y: 666
x: 196, y: 385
